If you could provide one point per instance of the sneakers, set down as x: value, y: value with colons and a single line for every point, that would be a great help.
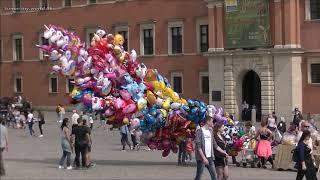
x: 69, y: 167
x: 40, y: 136
x: 60, y: 167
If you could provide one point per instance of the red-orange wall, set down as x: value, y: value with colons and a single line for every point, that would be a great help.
x: 35, y: 73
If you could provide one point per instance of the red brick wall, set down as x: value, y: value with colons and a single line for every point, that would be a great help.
x: 35, y: 73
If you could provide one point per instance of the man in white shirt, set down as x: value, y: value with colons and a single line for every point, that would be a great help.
x: 74, y: 118
x: 30, y: 122
x: 3, y: 145
x: 61, y: 113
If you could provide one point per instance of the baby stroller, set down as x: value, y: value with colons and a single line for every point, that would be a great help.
x: 248, y: 155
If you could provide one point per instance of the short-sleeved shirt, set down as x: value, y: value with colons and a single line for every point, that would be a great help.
x: 80, y: 133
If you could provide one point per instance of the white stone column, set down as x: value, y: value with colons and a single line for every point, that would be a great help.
x: 267, y: 86
x: 229, y: 87
x: 288, y: 84
x: 216, y: 79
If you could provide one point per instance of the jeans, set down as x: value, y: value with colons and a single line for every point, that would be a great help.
x: 81, y: 150
x: 40, y: 128
x: 2, y: 171
x: 182, y: 153
x: 30, y: 128
x: 210, y: 167
x: 65, y: 155
x: 124, y: 141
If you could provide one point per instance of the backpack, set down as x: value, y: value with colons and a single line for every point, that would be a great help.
x: 295, y: 155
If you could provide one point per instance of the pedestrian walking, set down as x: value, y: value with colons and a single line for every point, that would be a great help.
x: 82, y: 141
x: 124, y: 131
x: 305, y: 164
x: 282, y: 127
x: 182, y: 154
x: 30, y: 121
x: 58, y: 109
x: 264, y: 151
x: 74, y: 117
x: 65, y: 144
x: 205, y: 145
x: 3, y: 145
x: 61, y: 113
x: 91, y: 121
x: 41, y: 122
x: 221, y: 160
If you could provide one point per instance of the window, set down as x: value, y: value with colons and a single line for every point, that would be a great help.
x: 147, y: 36
x: 92, y: 1
x: 17, y: 48
x: 43, y: 41
x: 53, y: 85
x: 124, y: 31
x: 67, y: 3
x: 18, y: 84
x: 315, y: 73
x: 176, y: 37
x: 17, y: 5
x: 44, y: 4
x: 202, y: 34
x: 148, y: 41
x: 69, y: 85
x: 204, y: 38
x: 177, y: 82
x: 315, y: 9
x: 204, y: 83
x: 89, y: 35
x: 125, y: 36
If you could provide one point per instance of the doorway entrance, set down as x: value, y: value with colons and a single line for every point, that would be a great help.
x: 251, y: 92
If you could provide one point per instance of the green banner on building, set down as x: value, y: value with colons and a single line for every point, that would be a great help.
x: 247, y: 23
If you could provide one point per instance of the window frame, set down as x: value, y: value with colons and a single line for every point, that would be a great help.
x: 15, y: 84
x: 50, y: 84
x: 177, y: 74
x: 41, y: 53
x: 123, y: 28
x: 64, y: 3
x: 203, y: 74
x: 173, y: 24
x: 14, y: 52
x: 14, y: 5
x: 41, y: 4
x: 88, y: 32
x: 199, y: 23
x: 67, y: 85
x: 142, y: 28
x: 312, y: 60
x: 88, y: 2
x: 308, y: 11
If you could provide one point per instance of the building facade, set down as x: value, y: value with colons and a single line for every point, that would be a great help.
x: 276, y: 71
x: 204, y: 47
x: 170, y: 37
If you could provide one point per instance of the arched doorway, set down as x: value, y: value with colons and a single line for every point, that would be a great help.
x: 251, y: 91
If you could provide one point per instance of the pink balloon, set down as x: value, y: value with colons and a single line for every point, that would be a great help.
x: 129, y: 108
x: 125, y: 94
x: 118, y: 103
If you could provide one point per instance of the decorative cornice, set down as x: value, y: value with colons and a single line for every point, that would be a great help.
x: 240, y: 52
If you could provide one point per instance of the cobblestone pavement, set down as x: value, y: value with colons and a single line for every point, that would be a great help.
x: 37, y: 158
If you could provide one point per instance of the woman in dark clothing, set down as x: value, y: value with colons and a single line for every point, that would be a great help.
x: 305, y: 163
x: 41, y: 122
x: 221, y: 161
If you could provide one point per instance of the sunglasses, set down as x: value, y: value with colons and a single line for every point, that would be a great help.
x: 306, y: 126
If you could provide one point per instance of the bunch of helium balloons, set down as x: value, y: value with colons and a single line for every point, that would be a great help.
x: 109, y: 80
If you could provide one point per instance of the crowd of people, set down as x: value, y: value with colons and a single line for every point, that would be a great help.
x: 211, y: 145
